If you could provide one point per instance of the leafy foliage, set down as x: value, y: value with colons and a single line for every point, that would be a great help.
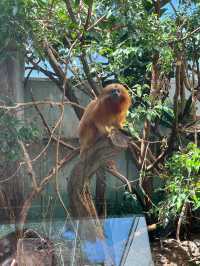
x: 12, y: 21
x: 129, y: 49
x: 12, y: 130
x: 144, y: 109
x: 182, y: 182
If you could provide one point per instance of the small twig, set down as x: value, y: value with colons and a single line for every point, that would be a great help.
x: 51, y: 135
x: 173, y: 7
x: 28, y: 76
x: 52, y: 131
x: 96, y: 22
x: 33, y: 194
x: 180, y: 220
x: 190, y: 33
x: 69, y: 93
x: 122, y: 178
x: 131, y: 182
x: 6, y: 179
x: 49, y: 74
x: 80, y: 9
x: 195, y: 259
x: 88, y: 74
x: 143, y: 166
x: 160, y: 156
x: 52, y: 103
x: 47, y: 126
x: 29, y: 166
x: 144, y: 143
x: 58, y: 146
x: 186, y: 79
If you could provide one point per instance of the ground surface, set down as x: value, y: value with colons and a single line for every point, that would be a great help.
x: 171, y: 252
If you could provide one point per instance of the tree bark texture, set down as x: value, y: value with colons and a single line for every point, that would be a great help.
x: 80, y: 199
x: 11, y: 84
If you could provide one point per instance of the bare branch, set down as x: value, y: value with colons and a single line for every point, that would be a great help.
x: 121, y: 177
x: 29, y: 166
x: 181, y: 218
x: 54, y: 63
x: 47, y: 126
x: 88, y: 15
x: 62, y: 75
x: 191, y: 33
x: 70, y: 11
x: 47, y: 73
x: 173, y: 7
x: 34, y: 193
x: 97, y: 22
x: 88, y: 74
x: 52, y: 103
x: 156, y: 161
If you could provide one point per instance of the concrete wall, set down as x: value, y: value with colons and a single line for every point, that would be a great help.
x: 43, y: 89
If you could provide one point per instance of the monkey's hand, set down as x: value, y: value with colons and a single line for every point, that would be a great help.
x: 116, y: 125
x: 109, y: 130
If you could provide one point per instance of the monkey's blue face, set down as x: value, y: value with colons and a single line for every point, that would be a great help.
x: 115, y: 94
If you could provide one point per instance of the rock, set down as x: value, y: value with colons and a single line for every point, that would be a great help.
x: 7, y: 247
x: 34, y: 251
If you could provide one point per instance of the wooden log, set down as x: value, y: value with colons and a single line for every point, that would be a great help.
x: 80, y: 200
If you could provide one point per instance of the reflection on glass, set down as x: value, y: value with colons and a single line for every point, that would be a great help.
x: 125, y: 242
x: 121, y: 236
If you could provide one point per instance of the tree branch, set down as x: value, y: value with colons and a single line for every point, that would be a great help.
x: 47, y: 127
x: 29, y: 166
x: 34, y: 193
x: 87, y: 73
x: 88, y: 15
x: 70, y: 11
x: 58, y: 70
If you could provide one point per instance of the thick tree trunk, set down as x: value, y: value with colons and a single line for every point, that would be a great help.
x: 146, y: 182
x: 80, y: 200
x: 100, y: 200
x: 11, y: 88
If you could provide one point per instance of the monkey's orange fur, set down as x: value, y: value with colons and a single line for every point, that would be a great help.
x: 103, y: 114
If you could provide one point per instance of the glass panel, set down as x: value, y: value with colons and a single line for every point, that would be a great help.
x: 75, y: 242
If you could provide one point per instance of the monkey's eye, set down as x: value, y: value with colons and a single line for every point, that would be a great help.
x: 115, y: 93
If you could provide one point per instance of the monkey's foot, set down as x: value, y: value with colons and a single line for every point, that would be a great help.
x: 111, y: 164
x: 118, y: 139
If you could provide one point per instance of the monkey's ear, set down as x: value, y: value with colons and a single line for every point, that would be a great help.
x: 126, y: 86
